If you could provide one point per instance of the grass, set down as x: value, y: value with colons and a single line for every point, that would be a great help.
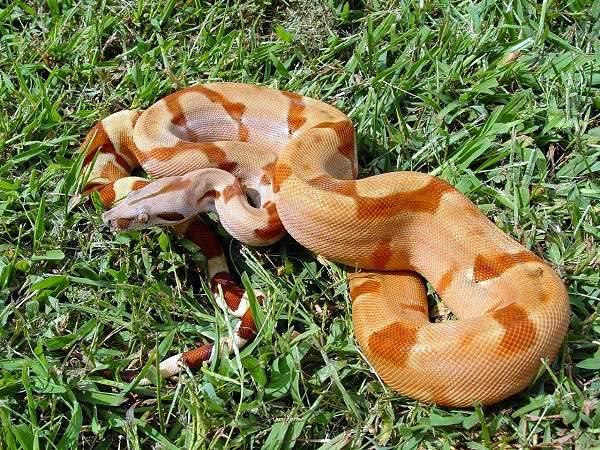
x: 500, y: 98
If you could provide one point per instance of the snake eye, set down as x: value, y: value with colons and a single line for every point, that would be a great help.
x: 142, y: 217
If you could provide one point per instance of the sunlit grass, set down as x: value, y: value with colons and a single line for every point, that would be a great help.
x: 500, y: 98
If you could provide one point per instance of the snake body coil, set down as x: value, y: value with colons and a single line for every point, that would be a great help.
x: 213, y: 145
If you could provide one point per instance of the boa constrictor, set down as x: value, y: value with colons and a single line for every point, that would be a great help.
x: 270, y: 162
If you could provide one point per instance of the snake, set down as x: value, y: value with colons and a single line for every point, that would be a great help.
x: 270, y: 163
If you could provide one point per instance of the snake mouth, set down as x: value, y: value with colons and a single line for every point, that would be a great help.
x: 121, y: 224
x: 117, y: 222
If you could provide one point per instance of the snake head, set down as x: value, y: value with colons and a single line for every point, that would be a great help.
x: 140, y: 218
x: 167, y: 201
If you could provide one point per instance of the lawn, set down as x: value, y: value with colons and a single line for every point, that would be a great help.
x: 502, y: 99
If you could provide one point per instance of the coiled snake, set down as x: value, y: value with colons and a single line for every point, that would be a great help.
x: 214, y: 146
